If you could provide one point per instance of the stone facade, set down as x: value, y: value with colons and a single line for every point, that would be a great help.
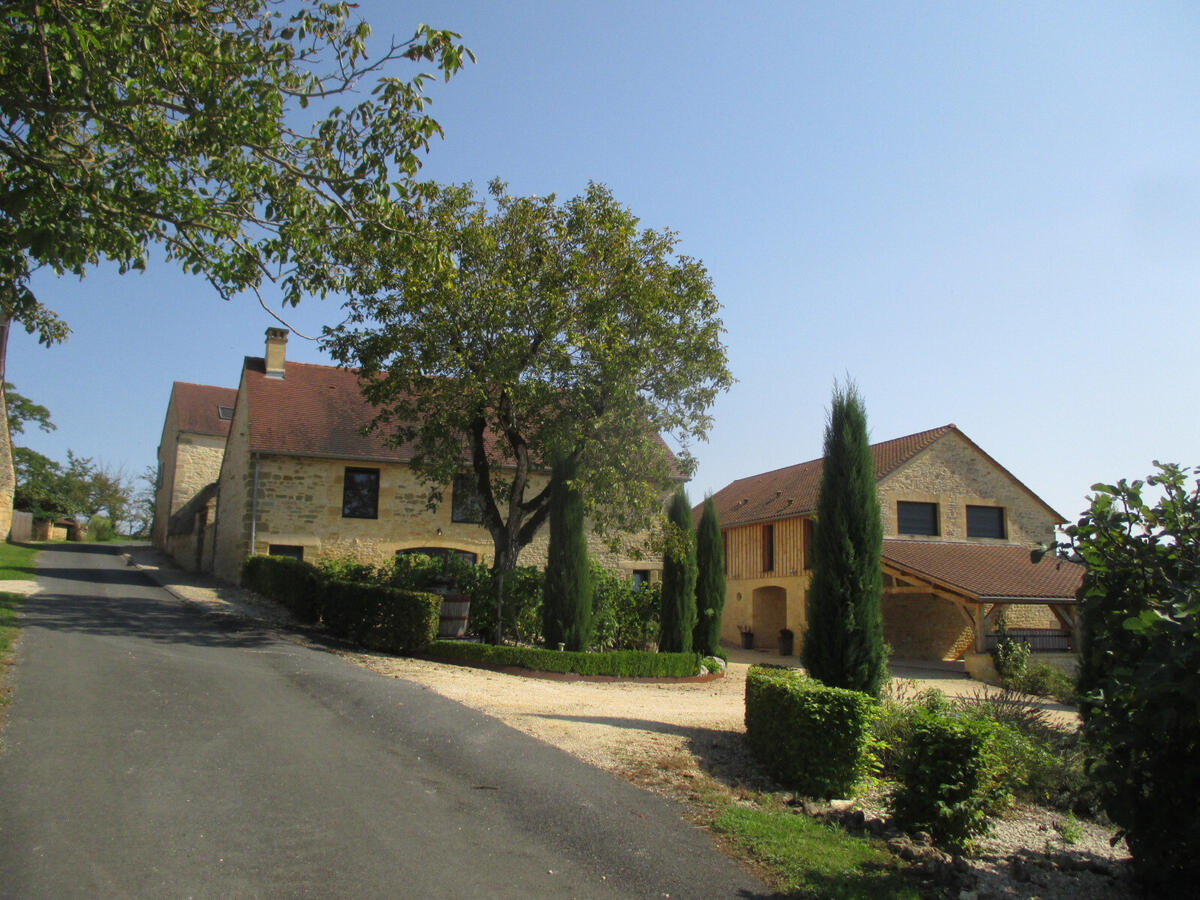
x: 954, y: 474
x: 925, y: 626
x: 187, y: 462
x: 951, y: 472
x: 279, y: 500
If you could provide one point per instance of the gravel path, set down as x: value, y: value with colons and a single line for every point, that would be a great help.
x: 664, y: 735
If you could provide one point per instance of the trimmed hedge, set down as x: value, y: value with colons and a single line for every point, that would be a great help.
x: 289, y: 582
x: 619, y: 663
x: 811, y: 738
x: 376, y: 616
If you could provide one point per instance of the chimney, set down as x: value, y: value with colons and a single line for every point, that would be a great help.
x: 276, y: 347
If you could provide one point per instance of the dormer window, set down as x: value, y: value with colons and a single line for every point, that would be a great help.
x: 225, y: 412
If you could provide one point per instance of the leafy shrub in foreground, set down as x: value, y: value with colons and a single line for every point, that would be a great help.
x: 1140, y: 667
x: 1037, y: 760
x: 948, y: 777
x: 811, y: 738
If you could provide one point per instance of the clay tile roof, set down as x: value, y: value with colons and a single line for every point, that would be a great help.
x: 986, y: 571
x: 197, y: 406
x: 318, y: 411
x: 312, y: 411
x: 793, y: 491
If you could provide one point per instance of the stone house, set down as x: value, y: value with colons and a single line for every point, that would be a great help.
x: 300, y: 478
x: 189, y: 461
x: 958, y: 529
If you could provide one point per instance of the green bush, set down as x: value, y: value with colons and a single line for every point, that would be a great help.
x: 625, y: 617
x: 101, y: 528
x: 619, y: 663
x: 811, y: 738
x: 1044, y: 680
x: 949, y: 776
x: 1037, y: 761
x: 1140, y: 667
x: 522, y: 603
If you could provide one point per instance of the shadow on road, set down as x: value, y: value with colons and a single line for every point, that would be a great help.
x: 147, y: 619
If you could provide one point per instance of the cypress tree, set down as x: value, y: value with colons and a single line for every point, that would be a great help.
x: 843, y: 644
x: 710, y: 582
x: 567, y: 595
x: 679, y: 577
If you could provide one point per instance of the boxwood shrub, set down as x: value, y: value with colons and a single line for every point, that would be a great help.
x: 289, y: 582
x: 620, y: 663
x: 812, y: 739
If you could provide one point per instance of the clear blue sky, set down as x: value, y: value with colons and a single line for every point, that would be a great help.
x: 985, y: 213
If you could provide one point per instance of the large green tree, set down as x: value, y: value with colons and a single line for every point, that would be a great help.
x: 1140, y: 667
x: 843, y: 643
x: 126, y: 124
x: 678, y: 577
x: 560, y: 330
x: 567, y: 594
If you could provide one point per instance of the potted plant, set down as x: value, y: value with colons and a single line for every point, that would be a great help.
x: 786, y: 641
x: 747, y: 637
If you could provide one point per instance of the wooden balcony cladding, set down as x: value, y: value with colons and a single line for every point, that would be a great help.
x: 746, y: 554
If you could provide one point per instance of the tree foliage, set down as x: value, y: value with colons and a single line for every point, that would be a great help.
x: 129, y: 123
x: 678, y: 577
x: 80, y: 488
x: 22, y: 411
x: 1140, y: 666
x: 126, y: 124
x: 710, y: 581
x: 567, y: 595
x: 843, y: 644
x: 560, y: 330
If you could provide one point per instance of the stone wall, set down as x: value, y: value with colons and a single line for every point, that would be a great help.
x: 954, y: 474
x: 166, y: 475
x: 233, y: 498
x: 925, y: 626
x: 187, y: 463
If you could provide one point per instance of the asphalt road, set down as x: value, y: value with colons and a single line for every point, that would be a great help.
x: 155, y: 750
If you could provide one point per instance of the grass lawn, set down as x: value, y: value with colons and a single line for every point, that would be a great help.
x: 807, y: 858
x: 16, y: 563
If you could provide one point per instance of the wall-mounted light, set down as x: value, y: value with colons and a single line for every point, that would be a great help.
x: 439, y: 531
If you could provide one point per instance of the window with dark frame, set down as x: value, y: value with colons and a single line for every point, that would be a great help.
x: 768, y: 548
x: 224, y: 412
x: 985, y: 521
x: 464, y: 501
x: 916, y: 518
x: 360, y: 494
x: 292, y: 551
x: 641, y: 577
x: 808, y: 538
